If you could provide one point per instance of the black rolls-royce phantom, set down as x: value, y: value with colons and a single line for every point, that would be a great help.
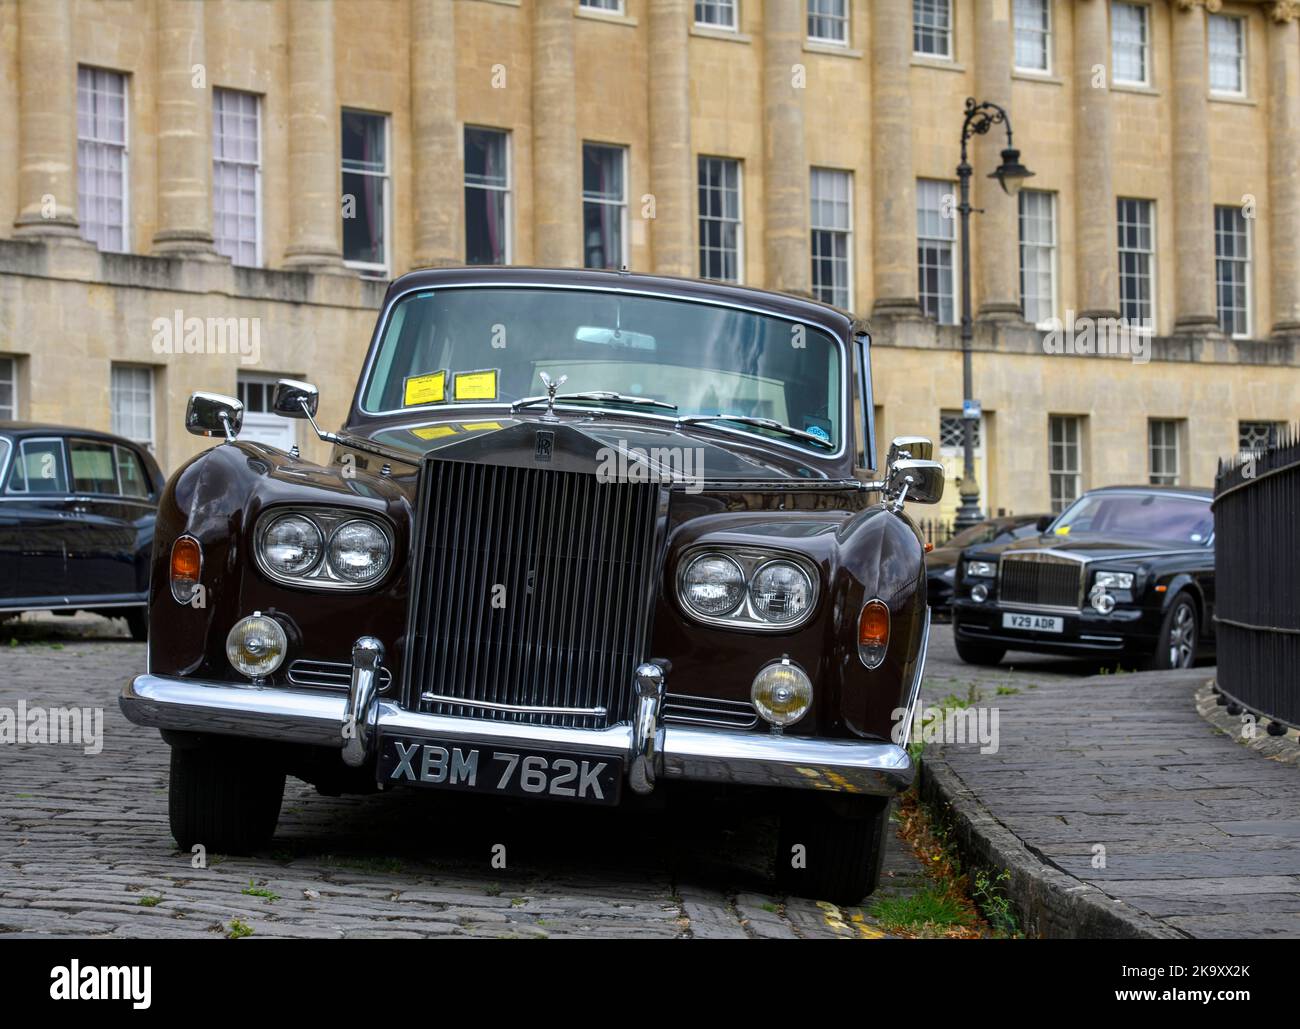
x: 1125, y: 572
x: 77, y: 514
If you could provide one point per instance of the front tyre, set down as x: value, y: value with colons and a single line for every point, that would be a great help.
x: 832, y: 848
x: 1179, y: 633
x: 223, y: 798
x: 979, y: 653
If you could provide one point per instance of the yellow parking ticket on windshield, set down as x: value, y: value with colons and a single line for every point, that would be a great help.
x: 425, y: 389
x: 481, y: 385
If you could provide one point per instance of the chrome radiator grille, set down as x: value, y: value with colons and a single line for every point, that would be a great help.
x: 533, y: 588
x: 1035, y: 579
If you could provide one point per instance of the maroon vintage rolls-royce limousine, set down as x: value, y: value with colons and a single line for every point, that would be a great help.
x: 582, y: 533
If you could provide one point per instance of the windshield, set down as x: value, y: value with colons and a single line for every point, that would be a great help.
x: 1144, y: 516
x: 455, y: 346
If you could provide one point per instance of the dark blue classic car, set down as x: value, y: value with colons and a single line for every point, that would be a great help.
x: 76, y: 522
x: 1124, y: 572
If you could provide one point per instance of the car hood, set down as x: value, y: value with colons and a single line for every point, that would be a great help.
x: 1089, y: 547
x: 592, y: 442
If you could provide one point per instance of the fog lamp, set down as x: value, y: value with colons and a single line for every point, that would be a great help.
x: 782, y: 693
x: 979, y: 593
x: 1102, y: 602
x: 256, y: 645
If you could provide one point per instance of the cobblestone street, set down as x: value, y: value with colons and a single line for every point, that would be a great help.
x: 85, y: 848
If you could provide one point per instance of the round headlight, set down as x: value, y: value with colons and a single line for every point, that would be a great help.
x: 782, y: 692
x: 291, y: 545
x: 781, y: 592
x: 713, y: 585
x: 256, y: 645
x: 359, y: 551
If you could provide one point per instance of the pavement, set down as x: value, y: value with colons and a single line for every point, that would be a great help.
x: 1118, y: 808
x: 85, y: 848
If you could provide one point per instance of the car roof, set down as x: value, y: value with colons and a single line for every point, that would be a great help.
x: 28, y: 429
x: 787, y: 304
x: 1199, y: 492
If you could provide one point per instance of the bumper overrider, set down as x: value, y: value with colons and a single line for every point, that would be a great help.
x: 652, y: 751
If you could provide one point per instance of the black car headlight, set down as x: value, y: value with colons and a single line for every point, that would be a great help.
x: 981, y: 569
x: 1113, y: 580
x: 747, y: 588
x: 322, y: 547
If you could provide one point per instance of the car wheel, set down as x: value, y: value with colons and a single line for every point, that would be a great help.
x: 832, y: 851
x: 137, y: 620
x: 1178, y: 635
x: 224, y: 798
x: 979, y: 653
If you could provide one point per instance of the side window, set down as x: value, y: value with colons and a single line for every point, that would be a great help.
x: 39, y: 468
x: 132, y: 479
x: 93, y: 470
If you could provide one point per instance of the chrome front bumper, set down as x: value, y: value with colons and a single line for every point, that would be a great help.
x: 708, y: 755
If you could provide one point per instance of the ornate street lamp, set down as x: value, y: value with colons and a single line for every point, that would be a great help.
x: 1011, y: 175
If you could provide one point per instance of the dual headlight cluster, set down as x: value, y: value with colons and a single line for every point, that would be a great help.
x: 747, y: 588
x: 324, y: 547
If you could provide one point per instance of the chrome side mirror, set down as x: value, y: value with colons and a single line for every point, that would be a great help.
x: 918, y: 448
x: 211, y: 414
x: 294, y: 399
x: 921, y: 482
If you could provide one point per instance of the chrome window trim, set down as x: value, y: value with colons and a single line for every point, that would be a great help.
x: 348, y: 514
x: 846, y: 386
x: 748, y: 623
x: 26, y: 494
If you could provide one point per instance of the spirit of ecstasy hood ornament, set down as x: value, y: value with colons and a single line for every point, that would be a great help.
x: 552, y: 385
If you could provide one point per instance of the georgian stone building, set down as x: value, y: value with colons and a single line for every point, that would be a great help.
x: 240, y: 177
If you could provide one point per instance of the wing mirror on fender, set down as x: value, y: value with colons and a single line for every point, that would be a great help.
x: 211, y: 414
x: 294, y: 399
x: 916, y: 447
x: 921, y: 482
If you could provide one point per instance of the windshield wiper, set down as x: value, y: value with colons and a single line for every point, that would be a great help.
x: 762, y: 423
x: 606, y: 395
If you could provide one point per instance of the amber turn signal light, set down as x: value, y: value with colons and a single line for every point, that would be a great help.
x: 873, y: 633
x: 187, y: 566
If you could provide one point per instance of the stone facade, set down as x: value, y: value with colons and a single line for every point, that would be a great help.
x: 557, y: 73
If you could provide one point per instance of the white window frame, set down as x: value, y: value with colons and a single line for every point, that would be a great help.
x: 1151, y: 261
x: 846, y: 231
x: 739, y: 220
x: 1144, y: 46
x: 1241, y: 25
x: 124, y: 146
x: 257, y: 172
x: 1063, y: 447
x: 717, y: 5
x: 621, y: 204
x: 1045, y: 32
x: 1051, y: 247
x: 508, y: 212
x: 1247, y: 265
x: 602, y: 6
x: 11, y: 362
x: 954, y: 250
x: 1166, y: 445
x: 113, y: 394
x: 841, y: 17
x: 367, y: 267
x: 948, y: 54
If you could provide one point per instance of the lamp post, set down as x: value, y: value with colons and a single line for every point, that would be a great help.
x: 1011, y: 175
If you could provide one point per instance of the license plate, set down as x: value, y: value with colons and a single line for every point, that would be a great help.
x: 1034, y: 623
x: 501, y: 769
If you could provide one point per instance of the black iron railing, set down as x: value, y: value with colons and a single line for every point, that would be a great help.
x: 1257, y: 579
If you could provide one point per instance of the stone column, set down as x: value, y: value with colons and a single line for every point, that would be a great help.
x: 997, y: 268
x: 785, y: 164
x: 1283, y: 162
x: 557, y: 163
x: 47, y: 121
x: 893, y: 177
x: 315, y: 201
x: 1094, y: 193
x: 436, y: 157
x: 672, y: 167
x: 1194, y: 309
x: 184, y: 132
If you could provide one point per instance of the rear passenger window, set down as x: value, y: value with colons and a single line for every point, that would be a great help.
x: 131, y: 476
x: 93, y: 470
x: 38, y: 468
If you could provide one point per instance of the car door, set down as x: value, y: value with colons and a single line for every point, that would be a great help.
x: 138, y: 505
x: 102, y: 549
x: 34, y: 528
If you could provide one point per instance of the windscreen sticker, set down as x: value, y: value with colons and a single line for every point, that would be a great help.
x: 1062, y: 530
x: 433, y: 432
x: 479, y: 426
x: 425, y: 389
x: 480, y: 385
